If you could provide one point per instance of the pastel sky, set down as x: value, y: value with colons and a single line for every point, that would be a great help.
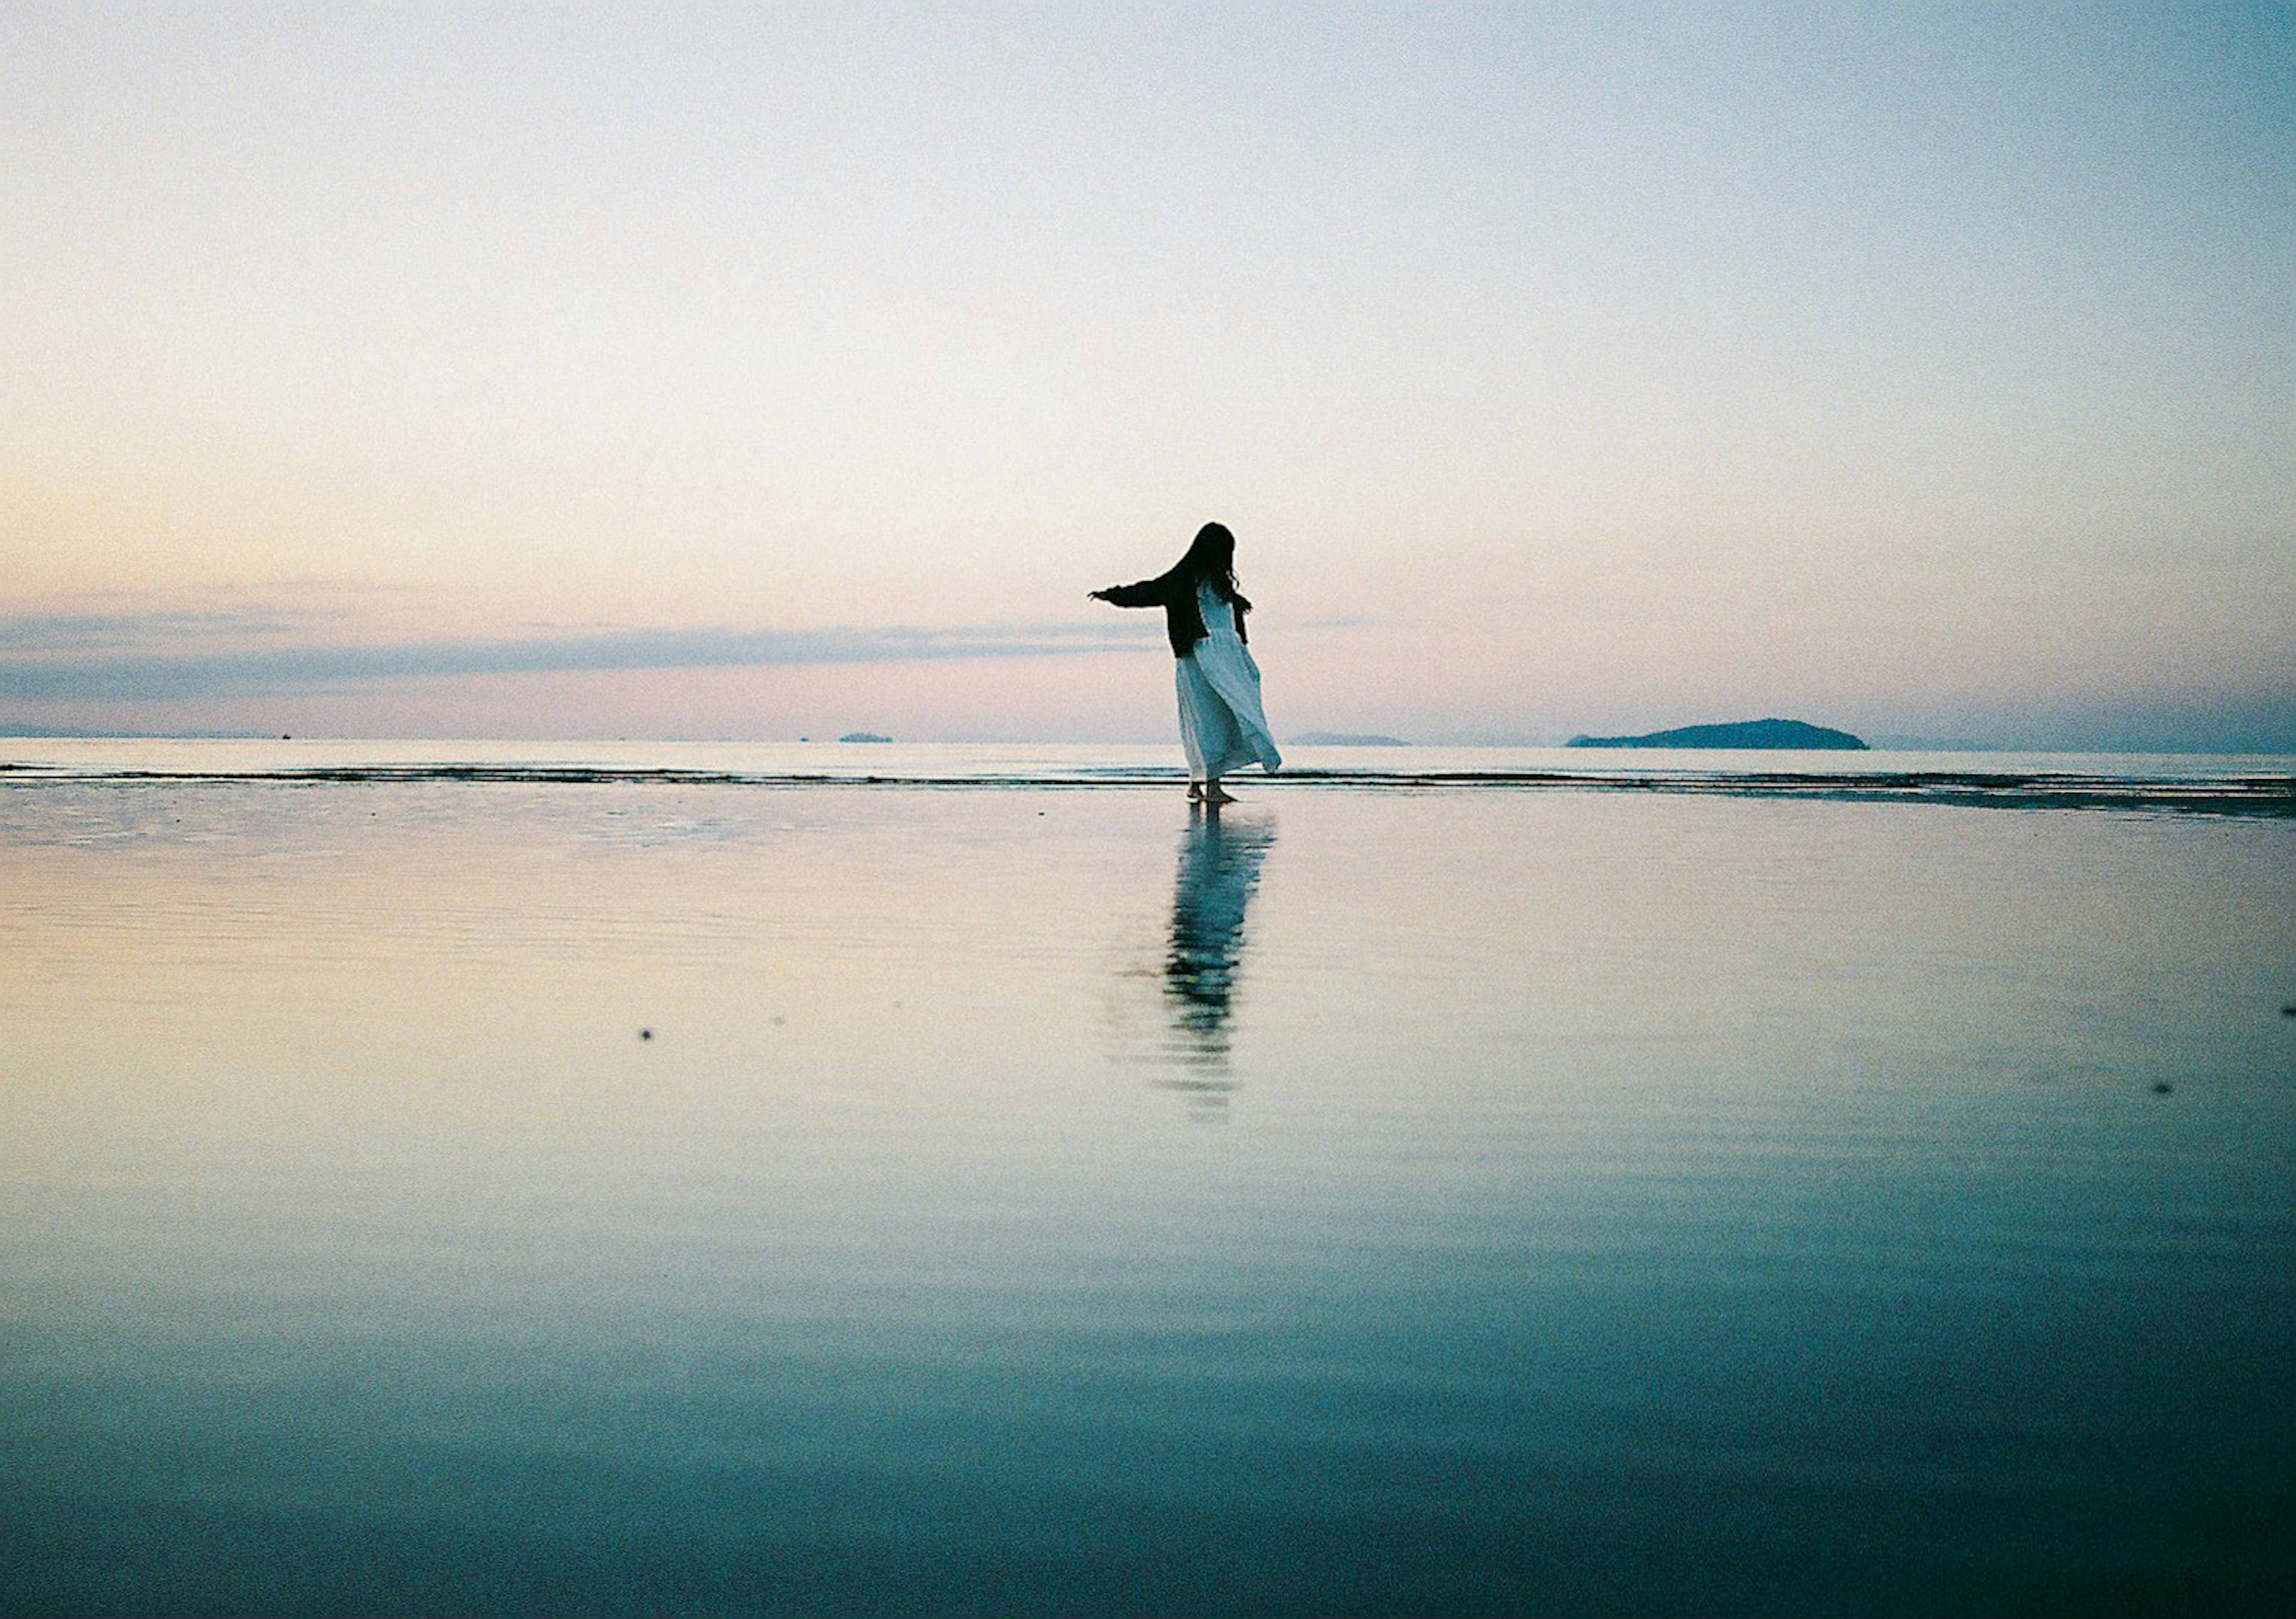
x: 755, y: 371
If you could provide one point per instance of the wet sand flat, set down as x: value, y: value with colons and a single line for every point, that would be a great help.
x: 634, y: 1194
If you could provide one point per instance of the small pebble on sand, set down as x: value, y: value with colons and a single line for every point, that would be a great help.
x: 645, y: 1034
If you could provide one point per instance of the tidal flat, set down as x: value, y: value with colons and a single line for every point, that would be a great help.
x: 636, y: 1197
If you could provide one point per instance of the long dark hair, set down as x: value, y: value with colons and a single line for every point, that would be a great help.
x: 1212, y: 555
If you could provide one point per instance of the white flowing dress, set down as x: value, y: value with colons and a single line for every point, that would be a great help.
x: 1221, y: 725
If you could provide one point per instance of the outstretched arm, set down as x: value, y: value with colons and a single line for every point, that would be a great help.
x: 1148, y: 593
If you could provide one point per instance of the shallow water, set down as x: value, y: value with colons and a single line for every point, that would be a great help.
x: 1029, y: 1200
x: 1057, y: 763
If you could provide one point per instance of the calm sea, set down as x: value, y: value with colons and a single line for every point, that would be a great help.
x: 862, y: 1179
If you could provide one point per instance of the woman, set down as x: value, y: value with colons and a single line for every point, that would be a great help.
x: 1221, y: 725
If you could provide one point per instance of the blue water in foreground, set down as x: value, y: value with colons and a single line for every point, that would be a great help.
x: 632, y: 1194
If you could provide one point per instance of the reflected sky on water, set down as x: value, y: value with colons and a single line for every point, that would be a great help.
x: 1620, y: 1205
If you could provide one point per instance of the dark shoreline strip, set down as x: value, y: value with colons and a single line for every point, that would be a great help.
x: 2265, y: 796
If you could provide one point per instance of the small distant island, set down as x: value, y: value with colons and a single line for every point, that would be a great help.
x: 873, y: 736
x: 1744, y: 734
x: 1347, y: 739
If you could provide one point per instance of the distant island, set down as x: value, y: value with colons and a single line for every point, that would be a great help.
x: 873, y: 736
x: 1744, y: 734
x: 1347, y: 739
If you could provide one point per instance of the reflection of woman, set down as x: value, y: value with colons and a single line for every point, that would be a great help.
x: 1219, y: 869
x: 1221, y: 725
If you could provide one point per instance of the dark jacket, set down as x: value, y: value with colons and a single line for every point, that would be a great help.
x: 1176, y: 593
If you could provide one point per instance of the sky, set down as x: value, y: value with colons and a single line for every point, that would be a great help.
x: 758, y: 370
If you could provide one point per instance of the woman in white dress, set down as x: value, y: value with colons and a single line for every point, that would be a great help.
x: 1221, y: 725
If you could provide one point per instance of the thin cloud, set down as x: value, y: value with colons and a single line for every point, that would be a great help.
x: 153, y: 675
x: 130, y: 631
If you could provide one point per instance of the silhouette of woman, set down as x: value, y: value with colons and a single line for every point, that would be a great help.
x: 1221, y: 725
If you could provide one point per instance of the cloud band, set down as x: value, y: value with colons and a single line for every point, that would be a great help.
x: 150, y: 675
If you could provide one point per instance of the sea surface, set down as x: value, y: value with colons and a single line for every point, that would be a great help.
x: 862, y: 1179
